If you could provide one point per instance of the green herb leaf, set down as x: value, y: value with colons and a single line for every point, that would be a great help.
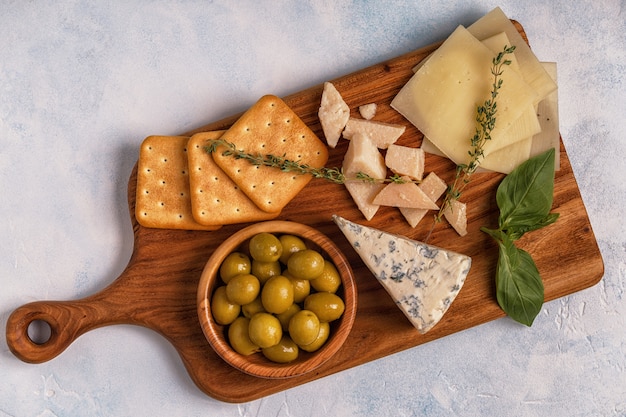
x: 517, y: 232
x: 334, y: 175
x: 525, y: 196
x: 519, y: 288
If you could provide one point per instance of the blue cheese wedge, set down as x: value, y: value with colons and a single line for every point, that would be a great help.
x: 422, y: 279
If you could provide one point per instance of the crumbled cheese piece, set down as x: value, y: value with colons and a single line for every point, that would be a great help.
x: 382, y: 134
x: 404, y: 160
x: 333, y: 114
x: 456, y: 215
x: 433, y: 187
x: 368, y: 111
x: 406, y: 194
x: 363, y: 156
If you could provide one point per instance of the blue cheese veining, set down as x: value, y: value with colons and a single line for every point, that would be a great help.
x: 422, y: 279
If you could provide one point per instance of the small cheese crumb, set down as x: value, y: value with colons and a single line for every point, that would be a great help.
x: 368, y: 111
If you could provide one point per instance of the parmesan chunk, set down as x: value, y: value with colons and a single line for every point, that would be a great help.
x: 433, y: 187
x: 404, y: 160
x: 333, y: 114
x: 363, y: 156
x: 406, y: 194
x: 362, y: 194
x: 382, y: 134
x: 456, y: 215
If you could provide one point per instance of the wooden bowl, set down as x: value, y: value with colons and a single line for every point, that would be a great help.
x: 256, y: 364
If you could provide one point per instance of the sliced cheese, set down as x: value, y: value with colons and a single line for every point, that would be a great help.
x: 404, y: 160
x: 506, y: 159
x: 422, y: 279
x: 433, y: 187
x: 429, y: 147
x: 406, y: 194
x: 440, y: 98
x: 524, y: 127
x: 531, y: 69
x: 496, y: 44
x: 333, y: 114
x: 548, y: 114
x: 382, y: 134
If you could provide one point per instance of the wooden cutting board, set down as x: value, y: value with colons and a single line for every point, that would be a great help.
x: 158, y: 288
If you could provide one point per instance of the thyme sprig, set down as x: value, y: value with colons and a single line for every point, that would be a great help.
x: 334, y: 175
x: 485, y: 123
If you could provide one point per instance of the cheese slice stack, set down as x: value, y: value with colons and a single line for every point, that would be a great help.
x: 441, y: 97
x: 506, y: 159
x: 422, y: 279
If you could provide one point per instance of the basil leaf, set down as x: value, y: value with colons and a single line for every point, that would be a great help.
x: 525, y: 195
x: 496, y: 234
x: 519, y: 288
x: 517, y: 232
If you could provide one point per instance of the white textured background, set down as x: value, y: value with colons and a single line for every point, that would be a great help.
x: 82, y: 83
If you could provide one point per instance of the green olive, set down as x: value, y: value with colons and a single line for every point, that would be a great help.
x: 252, y: 308
x: 306, y: 264
x: 265, y: 247
x: 265, y: 330
x: 327, y: 306
x: 301, y: 287
x: 322, y: 337
x: 304, y: 327
x: 277, y: 294
x: 265, y: 270
x: 284, y: 352
x: 285, y: 316
x: 224, y: 312
x: 328, y: 281
x: 235, y: 263
x: 239, y: 338
x: 243, y: 289
x: 290, y: 245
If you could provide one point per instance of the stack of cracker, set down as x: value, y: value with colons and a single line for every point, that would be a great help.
x: 181, y: 186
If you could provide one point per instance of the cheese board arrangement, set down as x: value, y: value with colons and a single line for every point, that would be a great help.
x: 159, y: 287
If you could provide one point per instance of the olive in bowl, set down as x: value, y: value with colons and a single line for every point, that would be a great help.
x: 300, y: 316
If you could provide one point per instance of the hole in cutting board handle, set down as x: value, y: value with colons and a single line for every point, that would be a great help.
x: 39, y: 331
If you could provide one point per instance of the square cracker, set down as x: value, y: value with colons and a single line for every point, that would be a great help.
x: 271, y: 127
x: 163, y: 198
x: 215, y: 198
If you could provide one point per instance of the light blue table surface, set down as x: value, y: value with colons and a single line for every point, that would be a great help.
x: 82, y: 84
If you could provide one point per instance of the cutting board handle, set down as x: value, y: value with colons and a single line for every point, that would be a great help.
x: 67, y: 320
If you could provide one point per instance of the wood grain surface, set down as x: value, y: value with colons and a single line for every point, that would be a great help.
x: 158, y: 288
